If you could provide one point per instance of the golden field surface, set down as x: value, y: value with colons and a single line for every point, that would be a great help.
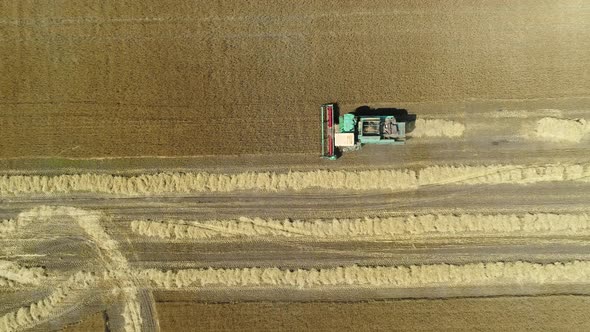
x: 469, y: 314
x: 160, y: 170
x: 177, y: 78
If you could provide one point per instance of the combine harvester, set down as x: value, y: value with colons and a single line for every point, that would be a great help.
x: 352, y: 131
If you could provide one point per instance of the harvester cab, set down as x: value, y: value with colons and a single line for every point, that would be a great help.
x: 354, y: 130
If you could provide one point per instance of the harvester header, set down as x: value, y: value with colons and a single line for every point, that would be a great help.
x: 328, y: 131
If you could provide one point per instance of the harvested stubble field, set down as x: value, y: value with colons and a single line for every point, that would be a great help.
x: 160, y: 171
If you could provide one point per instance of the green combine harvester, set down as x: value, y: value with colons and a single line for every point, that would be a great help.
x: 352, y: 131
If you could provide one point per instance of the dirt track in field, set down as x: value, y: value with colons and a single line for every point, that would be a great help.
x: 168, y: 79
